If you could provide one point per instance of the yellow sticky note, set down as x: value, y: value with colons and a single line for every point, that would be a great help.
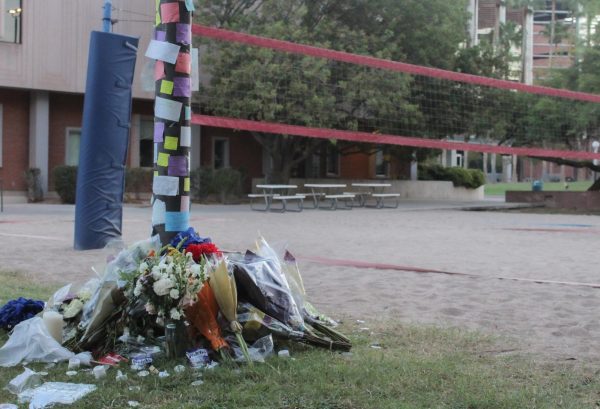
x: 186, y: 184
x: 171, y: 143
x: 163, y: 159
x: 157, y: 12
x: 166, y: 87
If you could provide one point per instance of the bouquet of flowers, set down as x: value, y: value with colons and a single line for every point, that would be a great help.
x: 168, y: 284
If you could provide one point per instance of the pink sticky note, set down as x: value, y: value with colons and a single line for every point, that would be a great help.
x: 184, y: 63
x: 169, y: 12
x: 185, y: 204
x: 159, y: 70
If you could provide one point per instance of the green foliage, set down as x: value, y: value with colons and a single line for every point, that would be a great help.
x: 469, y: 178
x: 202, y: 183
x: 65, y: 182
x: 138, y: 180
x: 227, y: 182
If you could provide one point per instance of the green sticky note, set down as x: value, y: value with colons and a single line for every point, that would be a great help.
x: 186, y: 184
x: 171, y: 143
x: 156, y: 173
x: 163, y: 159
x: 166, y: 87
x: 157, y: 13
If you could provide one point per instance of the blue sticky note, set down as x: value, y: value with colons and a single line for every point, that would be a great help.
x: 188, y: 113
x: 177, y: 221
x: 189, y: 5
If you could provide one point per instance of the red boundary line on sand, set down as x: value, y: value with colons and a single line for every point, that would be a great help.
x: 270, y: 127
x: 381, y: 266
x: 289, y: 47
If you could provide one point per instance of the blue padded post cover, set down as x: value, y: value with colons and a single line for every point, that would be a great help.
x: 104, y: 139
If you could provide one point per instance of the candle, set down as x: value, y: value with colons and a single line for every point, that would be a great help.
x: 54, y: 323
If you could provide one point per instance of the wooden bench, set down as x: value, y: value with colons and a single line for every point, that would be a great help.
x: 335, y: 200
x: 266, y: 197
x: 284, y: 200
x: 380, y: 199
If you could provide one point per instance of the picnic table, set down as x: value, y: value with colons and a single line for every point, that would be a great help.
x: 327, y: 191
x: 376, y: 191
x: 270, y: 195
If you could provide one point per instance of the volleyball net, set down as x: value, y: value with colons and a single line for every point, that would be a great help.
x: 264, y: 85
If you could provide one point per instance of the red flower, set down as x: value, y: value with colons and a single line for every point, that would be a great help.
x: 204, y: 249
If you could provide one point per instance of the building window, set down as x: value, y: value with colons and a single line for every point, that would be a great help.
x: 72, y: 146
x: 147, y: 143
x: 381, y: 163
x: 220, y: 153
x: 10, y: 21
x: 333, y: 161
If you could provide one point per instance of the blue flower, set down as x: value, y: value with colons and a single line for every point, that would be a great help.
x: 188, y: 237
x: 18, y: 310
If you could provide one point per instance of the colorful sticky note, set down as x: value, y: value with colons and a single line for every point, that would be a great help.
x: 157, y: 19
x: 183, y: 34
x: 185, y: 138
x: 169, y: 12
x: 155, y: 173
x: 163, y: 159
x: 159, y: 70
x: 184, y: 63
x: 162, y: 50
x: 188, y: 113
x: 167, y: 109
x: 155, y: 152
x: 171, y: 143
x: 178, y: 166
x: 177, y: 221
x: 185, y: 204
x: 165, y: 185
x: 159, y: 131
x: 186, y: 184
x: 183, y: 87
x: 166, y: 87
x: 160, y: 35
x: 189, y: 5
x: 158, y: 212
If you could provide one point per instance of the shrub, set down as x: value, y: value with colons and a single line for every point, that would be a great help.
x: 469, y: 178
x: 201, y: 183
x: 65, y: 182
x: 138, y: 180
x: 227, y: 182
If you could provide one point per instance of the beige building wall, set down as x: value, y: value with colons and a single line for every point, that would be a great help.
x: 55, y: 41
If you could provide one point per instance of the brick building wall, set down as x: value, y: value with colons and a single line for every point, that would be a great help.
x: 15, y: 138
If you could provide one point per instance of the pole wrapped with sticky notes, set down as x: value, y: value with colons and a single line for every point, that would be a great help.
x: 171, y: 49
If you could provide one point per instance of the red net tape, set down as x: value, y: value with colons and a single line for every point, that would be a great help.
x: 286, y: 46
x: 268, y: 127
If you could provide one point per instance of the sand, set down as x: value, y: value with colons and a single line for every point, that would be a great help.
x: 552, y: 321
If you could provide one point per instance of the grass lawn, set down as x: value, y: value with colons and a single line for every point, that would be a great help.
x: 499, y: 189
x: 416, y: 367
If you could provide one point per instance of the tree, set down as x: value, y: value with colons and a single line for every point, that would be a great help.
x: 261, y: 84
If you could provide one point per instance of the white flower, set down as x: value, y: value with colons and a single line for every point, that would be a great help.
x: 163, y: 286
x: 174, y: 294
x: 195, y: 269
x: 150, y: 309
x: 84, y: 295
x: 138, y: 289
x: 156, y: 273
x: 175, y: 314
x: 143, y: 267
x: 169, y: 269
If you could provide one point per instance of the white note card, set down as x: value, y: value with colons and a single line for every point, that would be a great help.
x: 167, y: 109
x: 163, y: 50
x: 195, y: 75
x: 158, y: 212
x: 186, y: 136
x: 165, y: 185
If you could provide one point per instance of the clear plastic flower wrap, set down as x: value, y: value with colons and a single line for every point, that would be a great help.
x: 261, y: 282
